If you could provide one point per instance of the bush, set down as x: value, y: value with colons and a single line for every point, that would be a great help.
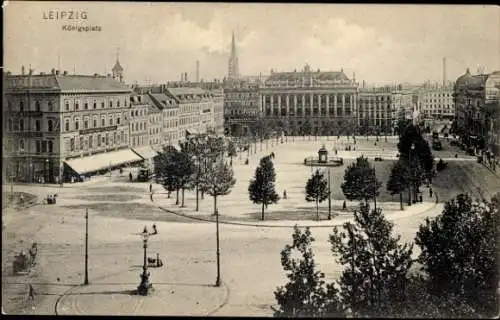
x: 441, y: 165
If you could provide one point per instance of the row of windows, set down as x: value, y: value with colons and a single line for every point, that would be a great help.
x: 94, y: 104
x: 37, y: 106
x: 138, y: 141
x: 106, y: 139
x: 315, y: 112
x: 138, y: 113
x: 138, y: 126
x: 44, y: 146
x: 321, y: 99
x: 86, y: 123
x: 19, y: 125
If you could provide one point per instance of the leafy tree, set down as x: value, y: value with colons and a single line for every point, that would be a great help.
x: 399, y: 180
x: 360, y: 181
x: 262, y: 186
x: 184, y: 171
x: 307, y: 127
x: 219, y: 180
x: 459, y: 253
x: 305, y: 294
x: 231, y: 149
x: 167, y: 171
x: 376, y: 265
x: 317, y: 189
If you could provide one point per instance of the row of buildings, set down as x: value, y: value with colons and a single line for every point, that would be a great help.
x: 330, y: 103
x: 58, y: 127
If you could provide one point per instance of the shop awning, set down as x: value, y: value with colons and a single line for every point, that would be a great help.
x: 103, y: 161
x: 145, y: 152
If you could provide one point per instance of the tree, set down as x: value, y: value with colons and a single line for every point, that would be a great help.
x: 459, y: 253
x: 231, y: 150
x: 306, y: 127
x: 305, y: 294
x: 166, y: 169
x: 360, y: 181
x: 398, y: 181
x: 262, y: 188
x: 317, y: 189
x: 219, y: 180
x: 183, y: 171
x: 376, y: 265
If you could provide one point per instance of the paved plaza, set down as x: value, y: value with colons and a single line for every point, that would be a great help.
x: 250, y: 249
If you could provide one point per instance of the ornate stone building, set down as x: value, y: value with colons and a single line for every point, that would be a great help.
x: 477, y: 110
x: 242, y: 108
x: 61, y: 125
x: 311, y: 101
x: 375, y: 110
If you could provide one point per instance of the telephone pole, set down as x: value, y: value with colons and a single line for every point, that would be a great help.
x: 86, y: 280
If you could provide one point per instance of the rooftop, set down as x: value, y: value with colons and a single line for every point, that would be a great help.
x: 179, y: 91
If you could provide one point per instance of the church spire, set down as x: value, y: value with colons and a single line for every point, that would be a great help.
x: 233, y: 71
x: 118, y: 69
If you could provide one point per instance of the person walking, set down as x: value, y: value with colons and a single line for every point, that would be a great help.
x: 150, y: 188
x: 430, y: 192
x: 284, y: 195
x: 130, y: 176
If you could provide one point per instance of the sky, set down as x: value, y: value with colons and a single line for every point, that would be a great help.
x: 158, y: 41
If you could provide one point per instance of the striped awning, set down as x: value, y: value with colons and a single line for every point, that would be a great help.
x: 103, y: 161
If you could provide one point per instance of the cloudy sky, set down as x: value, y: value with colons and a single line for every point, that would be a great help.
x: 158, y: 41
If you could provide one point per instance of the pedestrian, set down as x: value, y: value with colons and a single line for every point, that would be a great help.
x: 284, y: 194
x: 344, y: 205
x: 31, y: 294
x: 430, y: 192
x: 150, y: 188
x: 155, y: 231
x: 130, y: 176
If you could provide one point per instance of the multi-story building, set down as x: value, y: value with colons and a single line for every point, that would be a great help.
x: 477, y: 109
x: 436, y: 101
x: 311, y: 101
x: 138, y: 122
x: 155, y: 121
x: 403, y: 104
x: 61, y: 125
x: 242, y: 107
x: 170, y: 133
x: 375, y: 110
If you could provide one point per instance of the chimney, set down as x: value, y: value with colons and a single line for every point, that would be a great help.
x: 444, y: 71
x: 57, y: 72
x: 23, y: 70
x: 185, y: 76
x: 65, y: 73
x: 197, y: 71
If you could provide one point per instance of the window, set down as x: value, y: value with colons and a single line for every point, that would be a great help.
x: 72, y: 144
x: 111, y: 103
x: 21, y: 145
x: 86, y: 124
x: 103, y: 122
x: 95, y: 105
x: 107, y: 139
x: 37, y: 125
x: 91, y: 139
x: 118, y: 104
x: 21, y: 106
x: 44, y: 146
x: 37, y: 146
x: 77, y: 124
x: 51, y: 106
x: 10, y: 124
x: 95, y: 123
x: 118, y: 121
x: 82, y: 143
x: 98, y: 140
x: 86, y: 106
x: 51, y: 146
x: 66, y: 126
x: 102, y: 105
x: 110, y: 121
x: 77, y: 105
x: 67, y: 106
x: 21, y: 124
x: 37, y: 106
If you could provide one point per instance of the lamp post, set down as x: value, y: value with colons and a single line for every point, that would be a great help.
x: 86, y: 279
x: 145, y: 285
x: 329, y: 197
x: 46, y: 178
x: 217, y: 281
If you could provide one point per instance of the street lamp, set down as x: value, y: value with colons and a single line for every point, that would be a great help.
x: 145, y: 286
x: 46, y: 178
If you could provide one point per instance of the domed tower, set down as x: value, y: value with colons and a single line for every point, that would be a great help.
x: 118, y: 69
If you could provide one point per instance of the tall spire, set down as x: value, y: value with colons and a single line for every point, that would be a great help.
x: 118, y: 69
x: 233, y: 71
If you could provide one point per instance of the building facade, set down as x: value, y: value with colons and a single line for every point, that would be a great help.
x: 170, y: 133
x: 375, y: 110
x: 54, y: 118
x: 242, y: 108
x: 436, y: 101
x: 311, y: 101
x: 138, y: 123
x: 476, y: 99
